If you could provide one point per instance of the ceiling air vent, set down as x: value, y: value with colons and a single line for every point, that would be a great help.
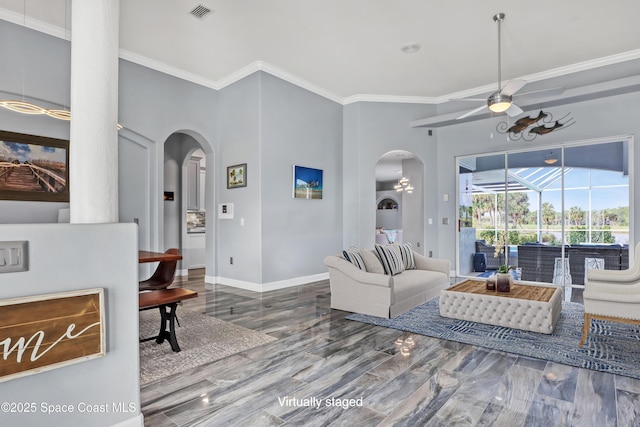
x: 200, y: 11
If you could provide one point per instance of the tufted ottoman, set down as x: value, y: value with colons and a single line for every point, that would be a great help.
x: 531, y: 308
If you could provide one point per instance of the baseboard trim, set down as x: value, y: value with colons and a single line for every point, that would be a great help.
x: 264, y: 287
x: 182, y: 272
x: 137, y: 421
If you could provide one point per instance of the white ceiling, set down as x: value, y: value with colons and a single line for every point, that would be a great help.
x: 349, y: 50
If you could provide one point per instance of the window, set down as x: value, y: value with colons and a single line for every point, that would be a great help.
x: 550, y: 212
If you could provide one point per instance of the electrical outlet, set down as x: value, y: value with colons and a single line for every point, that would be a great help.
x: 14, y: 256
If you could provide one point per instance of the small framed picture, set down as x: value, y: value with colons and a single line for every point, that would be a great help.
x: 237, y: 176
x: 307, y: 183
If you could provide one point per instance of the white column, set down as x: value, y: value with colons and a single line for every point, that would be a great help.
x: 93, y: 168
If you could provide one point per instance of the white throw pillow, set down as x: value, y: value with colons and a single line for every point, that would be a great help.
x: 371, y: 261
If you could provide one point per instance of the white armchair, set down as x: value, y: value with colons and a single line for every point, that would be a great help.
x: 612, y: 295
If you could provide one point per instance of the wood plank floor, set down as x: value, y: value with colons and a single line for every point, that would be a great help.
x: 362, y: 373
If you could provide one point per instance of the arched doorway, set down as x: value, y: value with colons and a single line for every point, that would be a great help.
x: 189, y: 223
x: 400, y: 199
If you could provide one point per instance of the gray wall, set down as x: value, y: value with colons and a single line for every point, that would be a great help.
x: 304, y: 129
x: 413, y: 222
x: 371, y: 130
x: 272, y: 125
x: 239, y: 141
x: 65, y: 257
x: 388, y: 218
x: 601, y: 118
x: 152, y: 106
x: 25, y: 56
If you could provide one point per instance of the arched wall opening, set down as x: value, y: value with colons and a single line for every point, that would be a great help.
x: 400, y: 199
x: 188, y: 215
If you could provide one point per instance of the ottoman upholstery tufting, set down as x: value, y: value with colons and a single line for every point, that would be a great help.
x: 531, y: 308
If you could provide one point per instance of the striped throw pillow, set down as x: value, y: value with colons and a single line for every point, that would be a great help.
x: 390, y: 259
x: 354, y: 258
x: 406, y: 253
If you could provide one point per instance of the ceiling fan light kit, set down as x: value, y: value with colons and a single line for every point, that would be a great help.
x: 499, y: 102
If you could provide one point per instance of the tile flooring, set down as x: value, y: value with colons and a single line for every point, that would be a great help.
x: 327, y: 371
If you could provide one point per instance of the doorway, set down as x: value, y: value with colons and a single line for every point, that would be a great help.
x: 551, y: 213
x: 400, y: 199
x: 188, y: 214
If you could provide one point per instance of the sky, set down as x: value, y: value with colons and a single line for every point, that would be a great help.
x: 308, y: 174
x: 612, y: 193
x: 32, y: 152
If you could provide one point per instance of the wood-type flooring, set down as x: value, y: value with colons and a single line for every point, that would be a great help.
x: 325, y: 370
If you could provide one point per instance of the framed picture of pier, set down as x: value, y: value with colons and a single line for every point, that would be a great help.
x: 307, y: 183
x: 33, y: 168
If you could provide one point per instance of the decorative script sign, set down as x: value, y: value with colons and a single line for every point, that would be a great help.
x: 45, y: 332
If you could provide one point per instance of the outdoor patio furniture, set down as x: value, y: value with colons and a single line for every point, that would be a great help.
x: 611, y: 255
x: 493, y: 263
x: 538, y: 260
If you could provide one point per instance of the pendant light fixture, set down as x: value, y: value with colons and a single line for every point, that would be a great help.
x: 24, y: 107
x: 403, y: 185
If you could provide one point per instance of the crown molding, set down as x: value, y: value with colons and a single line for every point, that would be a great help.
x: 390, y: 98
x: 167, y: 69
x: 19, y: 19
x: 548, y: 74
x: 34, y: 24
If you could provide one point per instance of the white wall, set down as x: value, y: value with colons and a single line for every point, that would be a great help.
x: 65, y: 257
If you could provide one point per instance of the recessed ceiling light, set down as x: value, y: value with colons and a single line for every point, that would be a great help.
x: 410, y: 48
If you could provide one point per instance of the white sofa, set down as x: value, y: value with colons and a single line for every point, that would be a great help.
x: 375, y: 293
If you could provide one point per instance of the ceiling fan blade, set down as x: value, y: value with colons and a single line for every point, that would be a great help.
x: 513, y: 86
x: 546, y: 92
x: 469, y: 99
x: 514, y: 110
x: 469, y: 113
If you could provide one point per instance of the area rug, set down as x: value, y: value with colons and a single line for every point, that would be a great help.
x: 202, y: 339
x: 611, y: 347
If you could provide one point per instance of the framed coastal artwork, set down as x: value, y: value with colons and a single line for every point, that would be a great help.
x: 237, y: 176
x: 307, y: 183
x: 33, y: 168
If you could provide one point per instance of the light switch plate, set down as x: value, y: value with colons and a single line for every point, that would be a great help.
x: 14, y: 256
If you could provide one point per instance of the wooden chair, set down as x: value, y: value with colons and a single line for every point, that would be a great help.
x: 163, y: 277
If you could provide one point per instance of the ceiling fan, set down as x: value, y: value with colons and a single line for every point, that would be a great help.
x: 501, y: 101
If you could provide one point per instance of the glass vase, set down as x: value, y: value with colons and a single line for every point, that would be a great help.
x: 503, y: 282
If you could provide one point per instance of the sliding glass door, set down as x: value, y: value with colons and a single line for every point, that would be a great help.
x: 549, y: 213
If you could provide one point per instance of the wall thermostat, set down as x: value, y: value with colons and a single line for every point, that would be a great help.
x: 225, y: 211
